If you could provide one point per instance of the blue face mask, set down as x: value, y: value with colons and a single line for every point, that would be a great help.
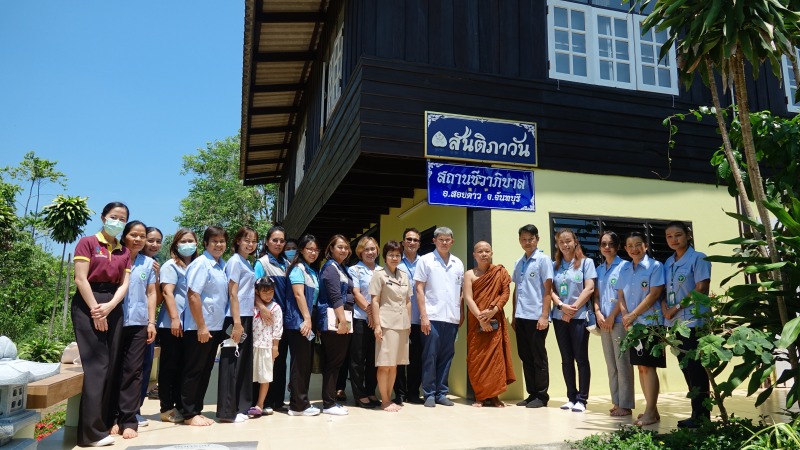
x: 187, y: 249
x: 113, y: 226
x: 290, y: 254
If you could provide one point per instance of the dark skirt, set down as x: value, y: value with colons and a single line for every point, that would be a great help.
x: 644, y: 357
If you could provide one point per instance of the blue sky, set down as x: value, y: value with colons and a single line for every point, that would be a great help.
x: 118, y: 92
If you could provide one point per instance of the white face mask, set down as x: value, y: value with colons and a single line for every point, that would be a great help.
x: 113, y: 226
x: 290, y: 254
x: 187, y: 248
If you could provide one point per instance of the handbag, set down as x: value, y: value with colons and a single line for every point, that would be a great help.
x: 316, y: 359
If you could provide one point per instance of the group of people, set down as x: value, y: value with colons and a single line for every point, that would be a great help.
x: 391, y: 328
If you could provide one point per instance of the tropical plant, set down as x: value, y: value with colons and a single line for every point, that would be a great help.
x: 41, y: 349
x: 66, y: 218
x: 37, y: 171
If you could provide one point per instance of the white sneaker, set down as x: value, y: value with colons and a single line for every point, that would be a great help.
x: 578, y: 407
x: 267, y: 411
x: 240, y: 418
x: 310, y: 411
x: 108, y: 440
x: 336, y: 410
x: 568, y: 405
x: 142, y: 421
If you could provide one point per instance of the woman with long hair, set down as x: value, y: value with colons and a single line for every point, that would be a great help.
x: 182, y: 251
x: 573, y: 285
x: 102, y: 275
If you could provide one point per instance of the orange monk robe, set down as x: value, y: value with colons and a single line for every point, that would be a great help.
x: 489, y: 353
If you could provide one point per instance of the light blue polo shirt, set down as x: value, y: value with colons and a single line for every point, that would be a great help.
x: 172, y: 273
x: 568, y: 284
x: 239, y: 270
x: 409, y: 268
x: 361, y: 275
x: 134, y: 307
x: 298, y: 276
x: 529, y: 276
x: 442, y: 286
x: 636, y: 283
x: 681, y: 277
x: 607, y: 280
x: 206, y: 276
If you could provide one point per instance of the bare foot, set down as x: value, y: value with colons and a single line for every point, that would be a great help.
x: 646, y: 420
x: 114, y: 430
x: 129, y: 433
x: 621, y: 412
x: 495, y: 401
x: 199, y: 421
x: 478, y: 404
x: 613, y: 408
x: 658, y: 416
x: 391, y: 407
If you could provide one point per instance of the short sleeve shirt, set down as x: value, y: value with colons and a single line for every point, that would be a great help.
x: 298, y: 276
x: 636, y: 282
x: 172, y: 273
x: 681, y: 277
x: 607, y: 281
x: 568, y: 283
x: 263, y: 334
x: 442, y: 286
x: 206, y: 276
x: 134, y: 306
x: 529, y: 276
x: 107, y: 263
x: 392, y: 292
x: 362, y: 275
x: 241, y: 272
x: 409, y: 267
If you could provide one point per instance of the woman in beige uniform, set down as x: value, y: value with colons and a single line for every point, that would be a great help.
x: 391, y: 312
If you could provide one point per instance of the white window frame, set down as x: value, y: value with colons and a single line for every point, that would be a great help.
x: 790, y: 84
x: 300, y: 161
x: 670, y: 63
x: 333, y: 77
x: 593, y: 58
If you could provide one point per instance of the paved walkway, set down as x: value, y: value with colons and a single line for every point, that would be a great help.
x: 416, y: 427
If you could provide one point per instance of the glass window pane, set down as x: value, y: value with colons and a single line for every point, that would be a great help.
x: 662, y: 61
x: 604, y: 47
x: 661, y: 36
x: 624, y: 72
x: 560, y: 18
x: 578, y: 20
x: 620, y: 28
x: 649, y: 76
x: 621, y: 48
x: 605, y: 70
x: 579, y: 65
x: 562, y: 63
x: 562, y: 40
x: 604, y: 25
x: 663, y: 78
x: 647, y: 54
x: 578, y: 43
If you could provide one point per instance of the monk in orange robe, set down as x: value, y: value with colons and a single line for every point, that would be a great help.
x: 486, y: 291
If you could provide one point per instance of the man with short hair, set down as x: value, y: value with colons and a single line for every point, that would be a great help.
x: 439, y: 276
x: 533, y: 282
x: 406, y: 385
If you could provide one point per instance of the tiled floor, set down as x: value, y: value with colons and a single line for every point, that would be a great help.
x: 416, y: 427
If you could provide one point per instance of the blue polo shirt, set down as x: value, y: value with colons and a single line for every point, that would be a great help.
x: 361, y: 275
x: 529, y: 276
x: 239, y: 270
x: 409, y: 268
x: 206, y: 276
x: 134, y: 307
x: 607, y: 281
x: 172, y: 273
x: 636, y: 282
x: 298, y: 276
x: 681, y: 277
x: 568, y: 283
x: 442, y: 286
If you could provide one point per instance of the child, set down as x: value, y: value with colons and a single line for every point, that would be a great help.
x: 267, y: 331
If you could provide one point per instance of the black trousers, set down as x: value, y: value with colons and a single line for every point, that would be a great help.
x: 341, y: 380
x: 277, y: 389
x: 170, y: 370
x: 235, y: 383
x: 363, y: 375
x: 300, y: 370
x: 199, y: 361
x: 98, y: 351
x: 696, y: 377
x: 533, y: 353
x: 334, y: 354
x: 147, y: 367
x: 573, y: 344
x: 409, y: 377
x: 128, y: 379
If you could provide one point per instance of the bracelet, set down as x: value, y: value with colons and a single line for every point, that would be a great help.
x: 150, y: 323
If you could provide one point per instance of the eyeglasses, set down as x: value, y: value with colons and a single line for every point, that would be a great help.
x: 607, y: 245
x: 444, y: 241
x: 393, y: 256
x: 311, y: 250
x: 412, y: 240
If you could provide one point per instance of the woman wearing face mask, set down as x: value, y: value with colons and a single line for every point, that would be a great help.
x: 151, y: 248
x: 139, y: 329
x: 573, y: 285
x: 363, y: 375
x: 272, y: 264
x: 235, y: 387
x: 102, y: 275
x: 182, y: 251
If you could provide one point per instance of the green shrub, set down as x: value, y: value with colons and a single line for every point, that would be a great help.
x: 41, y: 349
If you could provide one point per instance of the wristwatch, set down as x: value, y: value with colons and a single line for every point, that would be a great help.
x: 558, y: 306
x: 678, y: 306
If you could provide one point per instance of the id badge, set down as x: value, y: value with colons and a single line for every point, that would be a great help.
x: 671, y: 299
x: 563, y: 290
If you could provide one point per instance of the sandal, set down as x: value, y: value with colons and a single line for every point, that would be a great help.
x: 254, y: 411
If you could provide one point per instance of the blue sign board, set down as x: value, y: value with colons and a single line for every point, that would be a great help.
x: 479, y: 139
x: 480, y: 187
